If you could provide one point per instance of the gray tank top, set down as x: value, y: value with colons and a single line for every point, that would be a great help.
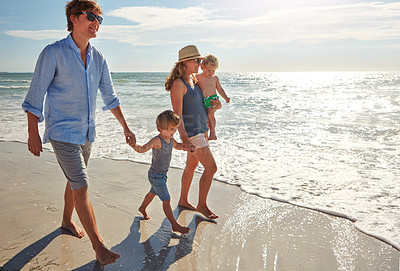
x: 161, y: 158
x: 193, y: 113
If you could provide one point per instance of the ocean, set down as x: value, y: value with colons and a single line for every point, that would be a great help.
x: 328, y: 141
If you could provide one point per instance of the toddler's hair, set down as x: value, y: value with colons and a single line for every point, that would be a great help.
x: 210, y: 60
x: 167, y: 119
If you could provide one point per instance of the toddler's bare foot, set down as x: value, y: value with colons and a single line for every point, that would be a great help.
x: 144, y: 213
x: 212, y: 136
x: 186, y: 205
x: 206, y: 212
x: 73, y: 228
x: 105, y: 256
x: 180, y: 228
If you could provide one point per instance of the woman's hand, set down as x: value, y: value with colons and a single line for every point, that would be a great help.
x: 216, y: 104
x: 187, y: 145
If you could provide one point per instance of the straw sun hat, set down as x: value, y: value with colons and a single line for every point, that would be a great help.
x: 189, y: 52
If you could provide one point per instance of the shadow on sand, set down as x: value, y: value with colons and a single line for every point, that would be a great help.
x: 29, y: 253
x: 153, y: 254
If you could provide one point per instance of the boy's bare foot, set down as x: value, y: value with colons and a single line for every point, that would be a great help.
x: 180, y: 229
x: 206, y: 212
x: 144, y: 213
x: 212, y: 136
x: 187, y: 205
x: 73, y: 228
x: 105, y: 256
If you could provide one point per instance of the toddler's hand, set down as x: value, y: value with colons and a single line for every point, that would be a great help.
x: 228, y: 100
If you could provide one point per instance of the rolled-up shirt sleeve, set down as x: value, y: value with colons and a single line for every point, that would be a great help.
x: 106, y: 88
x: 42, y: 77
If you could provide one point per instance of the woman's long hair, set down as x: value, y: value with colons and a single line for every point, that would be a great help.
x: 179, y: 71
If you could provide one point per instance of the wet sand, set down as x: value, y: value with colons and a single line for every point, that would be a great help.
x: 251, y: 233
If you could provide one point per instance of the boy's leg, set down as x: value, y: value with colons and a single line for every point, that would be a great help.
x: 169, y: 214
x: 212, y: 123
x: 146, y: 201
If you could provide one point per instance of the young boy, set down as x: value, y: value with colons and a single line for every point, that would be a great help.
x: 167, y: 124
x: 209, y: 85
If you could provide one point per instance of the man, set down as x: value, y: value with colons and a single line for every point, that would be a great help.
x: 70, y: 72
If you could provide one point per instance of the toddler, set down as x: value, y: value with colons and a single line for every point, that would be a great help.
x: 209, y: 85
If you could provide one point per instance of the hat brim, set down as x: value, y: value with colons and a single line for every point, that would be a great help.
x: 190, y: 58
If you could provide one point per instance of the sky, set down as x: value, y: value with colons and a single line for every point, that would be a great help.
x: 246, y: 36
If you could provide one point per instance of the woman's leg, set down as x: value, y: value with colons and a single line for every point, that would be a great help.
x: 187, y: 177
x: 206, y: 158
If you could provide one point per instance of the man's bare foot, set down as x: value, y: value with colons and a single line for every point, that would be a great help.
x: 73, y: 228
x: 212, y: 136
x: 180, y: 228
x: 144, y: 213
x: 206, y: 212
x: 105, y: 256
x: 187, y: 205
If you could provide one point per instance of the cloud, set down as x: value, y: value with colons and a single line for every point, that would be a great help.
x: 273, y: 27
x: 38, y: 34
x: 153, y: 18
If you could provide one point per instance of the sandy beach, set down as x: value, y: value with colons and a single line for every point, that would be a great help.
x: 251, y: 233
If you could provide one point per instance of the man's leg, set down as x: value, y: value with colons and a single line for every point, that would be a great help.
x: 84, y: 208
x: 69, y: 206
x: 73, y: 160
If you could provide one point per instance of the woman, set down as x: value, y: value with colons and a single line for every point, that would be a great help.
x: 187, y: 102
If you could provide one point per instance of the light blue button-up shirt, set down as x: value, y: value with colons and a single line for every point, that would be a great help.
x: 70, y: 89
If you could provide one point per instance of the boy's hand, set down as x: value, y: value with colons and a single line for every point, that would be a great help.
x: 227, y: 100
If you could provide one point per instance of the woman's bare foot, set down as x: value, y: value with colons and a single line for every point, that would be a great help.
x: 144, y: 213
x: 206, y: 212
x: 73, y: 228
x: 212, y: 136
x: 180, y: 228
x: 187, y: 205
x: 105, y: 256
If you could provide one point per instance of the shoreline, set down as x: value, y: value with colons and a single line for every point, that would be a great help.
x: 323, y: 211
x: 251, y: 233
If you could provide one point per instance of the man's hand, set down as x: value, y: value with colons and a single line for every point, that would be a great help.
x: 35, y: 144
x: 130, y: 138
x: 34, y: 141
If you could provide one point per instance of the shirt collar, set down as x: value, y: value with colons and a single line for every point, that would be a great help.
x: 71, y: 43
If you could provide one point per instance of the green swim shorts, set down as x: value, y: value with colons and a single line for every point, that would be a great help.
x: 206, y: 101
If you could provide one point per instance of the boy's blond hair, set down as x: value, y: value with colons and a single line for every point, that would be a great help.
x: 167, y: 119
x: 211, y: 60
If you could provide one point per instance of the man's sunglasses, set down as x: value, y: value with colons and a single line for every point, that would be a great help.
x: 91, y: 16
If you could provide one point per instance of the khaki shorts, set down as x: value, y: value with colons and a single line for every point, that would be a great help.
x: 73, y: 160
x: 199, y: 140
